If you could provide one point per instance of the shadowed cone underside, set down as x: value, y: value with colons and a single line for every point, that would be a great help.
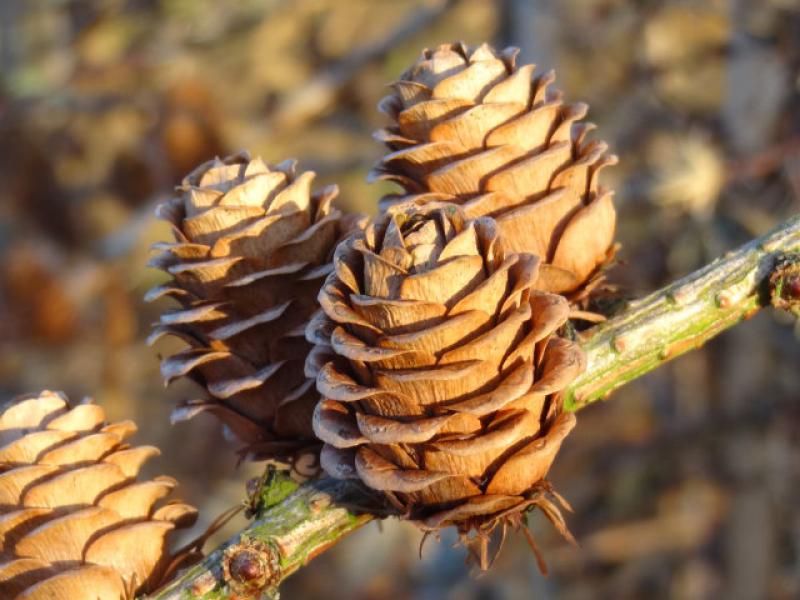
x: 439, y: 370
x: 472, y: 127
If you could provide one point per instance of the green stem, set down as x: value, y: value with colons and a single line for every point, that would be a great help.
x: 303, y: 522
x: 296, y: 524
x: 682, y: 316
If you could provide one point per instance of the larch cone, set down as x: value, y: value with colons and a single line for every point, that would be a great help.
x: 253, y: 244
x: 74, y: 520
x: 440, y: 369
x: 472, y: 127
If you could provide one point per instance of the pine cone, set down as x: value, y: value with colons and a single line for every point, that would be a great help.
x: 444, y: 390
x: 74, y: 518
x: 471, y: 127
x: 252, y: 246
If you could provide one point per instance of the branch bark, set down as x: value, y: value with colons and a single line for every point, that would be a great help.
x: 682, y: 316
x: 295, y: 522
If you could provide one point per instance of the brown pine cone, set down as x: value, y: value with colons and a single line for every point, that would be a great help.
x: 444, y: 388
x: 252, y: 247
x: 471, y: 127
x: 74, y: 520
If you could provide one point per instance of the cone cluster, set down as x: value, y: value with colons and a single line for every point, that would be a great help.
x: 252, y: 246
x: 443, y: 392
x: 434, y: 339
x: 470, y: 126
x: 74, y: 520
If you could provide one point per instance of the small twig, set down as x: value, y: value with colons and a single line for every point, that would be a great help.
x: 681, y: 316
x: 303, y: 522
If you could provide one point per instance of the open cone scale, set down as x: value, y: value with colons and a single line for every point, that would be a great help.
x: 252, y: 246
x: 440, y: 371
x: 74, y: 520
x: 472, y: 127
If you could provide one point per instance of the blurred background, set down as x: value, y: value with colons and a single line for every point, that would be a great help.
x: 686, y: 484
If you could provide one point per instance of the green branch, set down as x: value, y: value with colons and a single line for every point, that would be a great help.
x: 686, y: 314
x: 295, y: 523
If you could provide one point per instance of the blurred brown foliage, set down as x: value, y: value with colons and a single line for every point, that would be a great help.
x: 686, y: 484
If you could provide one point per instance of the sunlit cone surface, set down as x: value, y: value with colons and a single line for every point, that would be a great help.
x: 444, y: 387
x: 252, y: 246
x: 74, y: 520
x: 472, y: 127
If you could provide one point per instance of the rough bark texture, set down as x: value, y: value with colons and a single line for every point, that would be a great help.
x: 687, y: 313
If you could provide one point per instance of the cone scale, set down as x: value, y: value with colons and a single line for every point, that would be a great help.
x: 73, y: 517
x: 440, y: 371
x: 252, y: 246
x: 471, y: 127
